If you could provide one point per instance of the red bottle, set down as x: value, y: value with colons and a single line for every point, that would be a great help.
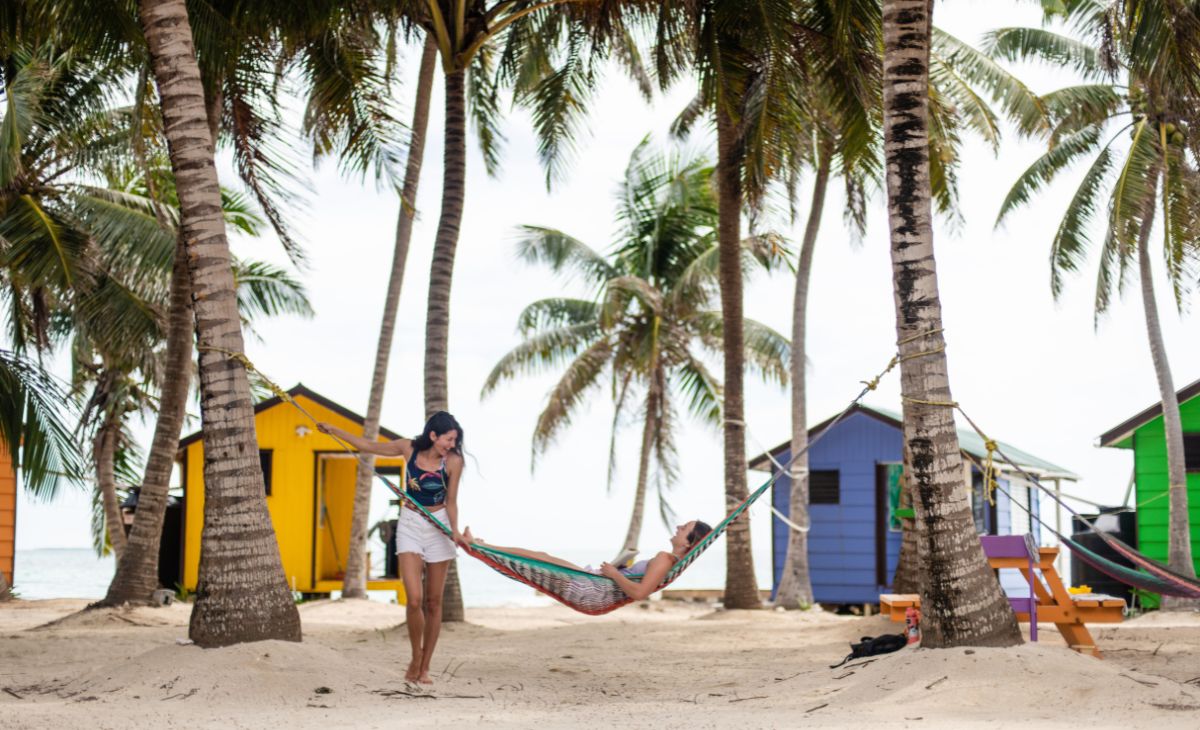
x: 912, y: 623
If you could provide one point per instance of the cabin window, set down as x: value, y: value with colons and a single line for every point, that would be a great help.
x: 1191, y: 451
x: 824, y: 486
x: 265, y: 458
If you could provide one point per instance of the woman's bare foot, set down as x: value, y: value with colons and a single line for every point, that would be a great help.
x: 425, y: 678
x: 413, y: 673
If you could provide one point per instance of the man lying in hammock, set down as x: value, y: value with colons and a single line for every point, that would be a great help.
x: 653, y: 571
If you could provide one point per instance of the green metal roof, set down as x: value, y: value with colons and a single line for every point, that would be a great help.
x: 1121, y: 435
x: 968, y: 441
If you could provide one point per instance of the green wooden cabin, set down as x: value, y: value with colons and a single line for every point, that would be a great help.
x: 1145, y: 434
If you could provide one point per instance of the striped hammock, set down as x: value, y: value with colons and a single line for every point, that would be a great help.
x: 1147, y: 574
x: 577, y: 589
x: 1153, y: 576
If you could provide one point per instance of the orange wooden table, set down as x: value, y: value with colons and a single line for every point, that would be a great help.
x: 1071, y: 614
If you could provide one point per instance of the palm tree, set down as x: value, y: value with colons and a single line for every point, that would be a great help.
x: 1141, y: 81
x: 355, y: 580
x: 242, y: 593
x: 650, y: 322
x: 961, y: 599
x: 467, y: 35
x: 840, y: 135
x: 110, y: 293
x: 745, y: 59
x: 243, y: 47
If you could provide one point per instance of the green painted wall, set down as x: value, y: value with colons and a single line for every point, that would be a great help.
x: 1150, y: 473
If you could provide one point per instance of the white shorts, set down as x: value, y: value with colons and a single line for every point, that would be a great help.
x: 415, y: 534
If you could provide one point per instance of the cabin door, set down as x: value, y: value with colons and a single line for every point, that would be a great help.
x: 334, y: 504
x: 888, y: 495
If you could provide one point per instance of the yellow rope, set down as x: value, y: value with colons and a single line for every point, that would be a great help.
x: 279, y: 392
x: 245, y: 361
x: 988, y: 469
x: 919, y: 335
x: 923, y: 353
x: 943, y: 403
x: 873, y: 383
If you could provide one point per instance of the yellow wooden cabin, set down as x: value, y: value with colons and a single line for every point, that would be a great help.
x: 8, y: 516
x: 310, y: 492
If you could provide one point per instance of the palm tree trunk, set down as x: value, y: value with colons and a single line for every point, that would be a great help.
x: 137, y: 570
x: 242, y: 594
x: 104, y: 448
x: 1179, y: 543
x: 962, y: 603
x: 639, y: 498
x: 795, y: 585
x: 354, y: 584
x: 741, y: 586
x: 437, y: 322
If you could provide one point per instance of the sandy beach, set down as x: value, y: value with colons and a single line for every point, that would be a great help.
x: 657, y: 664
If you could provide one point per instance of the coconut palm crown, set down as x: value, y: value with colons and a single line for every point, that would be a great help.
x: 652, y: 323
x: 1142, y: 86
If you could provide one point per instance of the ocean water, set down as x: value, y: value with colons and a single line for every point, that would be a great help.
x: 78, y: 573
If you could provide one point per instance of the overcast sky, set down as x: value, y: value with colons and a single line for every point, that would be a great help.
x: 1031, y: 371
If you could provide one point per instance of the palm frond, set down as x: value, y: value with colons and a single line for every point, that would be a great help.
x: 266, y: 290
x: 767, y: 352
x: 1047, y: 167
x: 621, y: 387
x: 543, y: 351
x: 34, y: 427
x: 1134, y: 186
x: 702, y: 391
x: 240, y: 213
x: 556, y: 312
x: 1071, y: 239
x: 1074, y: 108
x: 567, y: 395
x: 558, y: 103
x: 1181, y: 227
x: 666, y: 454
x: 483, y: 98
x: 976, y: 68
x: 564, y: 254
x: 1054, y: 49
x: 43, y: 244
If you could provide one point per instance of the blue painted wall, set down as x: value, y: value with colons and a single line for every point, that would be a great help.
x: 842, y: 540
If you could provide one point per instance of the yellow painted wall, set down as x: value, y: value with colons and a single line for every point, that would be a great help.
x: 291, y: 501
x: 8, y: 514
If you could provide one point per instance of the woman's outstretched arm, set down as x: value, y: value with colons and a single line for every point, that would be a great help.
x: 399, y: 447
x: 656, y: 570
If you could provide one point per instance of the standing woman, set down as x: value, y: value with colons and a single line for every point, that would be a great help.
x: 434, y: 466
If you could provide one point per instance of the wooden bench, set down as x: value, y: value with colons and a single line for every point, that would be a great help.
x: 1071, y: 614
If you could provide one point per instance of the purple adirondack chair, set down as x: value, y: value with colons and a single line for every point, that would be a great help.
x: 1017, y: 546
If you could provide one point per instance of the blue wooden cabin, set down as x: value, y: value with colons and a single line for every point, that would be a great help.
x: 854, y: 470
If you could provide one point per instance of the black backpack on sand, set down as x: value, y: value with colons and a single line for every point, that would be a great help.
x: 874, y: 645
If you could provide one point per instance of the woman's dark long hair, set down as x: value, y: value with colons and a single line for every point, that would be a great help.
x: 439, y: 423
x: 699, y: 531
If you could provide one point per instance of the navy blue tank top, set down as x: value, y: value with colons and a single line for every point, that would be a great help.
x: 427, y: 488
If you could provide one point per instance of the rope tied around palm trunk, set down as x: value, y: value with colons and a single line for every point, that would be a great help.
x: 274, y: 387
